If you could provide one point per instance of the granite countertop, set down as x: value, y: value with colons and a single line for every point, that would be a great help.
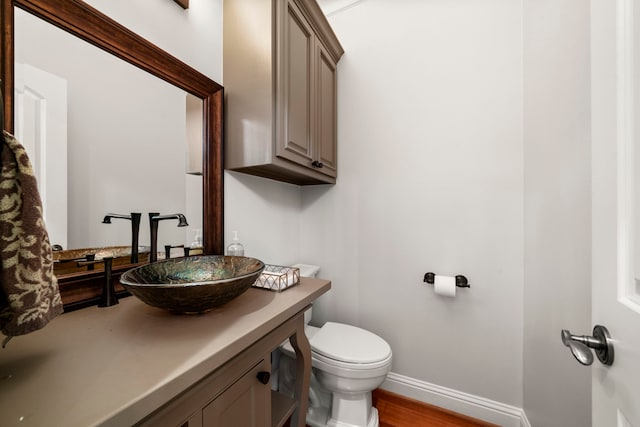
x: 115, y: 365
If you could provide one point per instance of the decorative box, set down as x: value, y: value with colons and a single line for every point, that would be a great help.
x: 278, y: 278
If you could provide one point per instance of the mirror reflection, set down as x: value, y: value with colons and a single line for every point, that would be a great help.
x: 104, y: 137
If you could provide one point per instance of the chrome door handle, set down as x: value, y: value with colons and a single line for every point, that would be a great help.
x: 581, y: 345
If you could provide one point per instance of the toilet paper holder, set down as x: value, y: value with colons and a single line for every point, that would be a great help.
x: 461, y: 281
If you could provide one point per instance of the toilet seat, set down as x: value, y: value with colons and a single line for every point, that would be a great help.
x: 349, y: 345
x: 366, y: 354
x: 351, y: 370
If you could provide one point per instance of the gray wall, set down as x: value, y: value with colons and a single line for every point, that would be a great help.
x: 431, y: 167
x: 557, y: 171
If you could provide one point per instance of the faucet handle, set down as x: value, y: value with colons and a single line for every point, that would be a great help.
x: 167, y: 250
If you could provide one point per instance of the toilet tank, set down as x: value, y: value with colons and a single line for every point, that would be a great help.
x: 308, y: 270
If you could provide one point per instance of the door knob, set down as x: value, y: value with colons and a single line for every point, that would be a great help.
x: 317, y: 164
x: 263, y: 377
x: 581, y: 345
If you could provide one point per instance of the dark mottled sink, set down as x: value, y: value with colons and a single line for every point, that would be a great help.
x: 194, y: 284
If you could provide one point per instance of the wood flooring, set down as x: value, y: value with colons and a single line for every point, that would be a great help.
x: 399, y: 411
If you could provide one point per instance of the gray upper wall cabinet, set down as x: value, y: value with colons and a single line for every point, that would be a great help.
x: 279, y: 66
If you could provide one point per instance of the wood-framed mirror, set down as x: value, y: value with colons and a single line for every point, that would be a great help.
x: 88, y: 24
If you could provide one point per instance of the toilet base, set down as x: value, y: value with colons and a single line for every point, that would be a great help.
x: 320, y: 417
x: 352, y: 410
x: 374, y: 421
x: 357, y: 410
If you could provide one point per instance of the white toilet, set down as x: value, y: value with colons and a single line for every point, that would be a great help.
x: 348, y: 363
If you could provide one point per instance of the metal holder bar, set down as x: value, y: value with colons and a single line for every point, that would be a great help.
x: 461, y: 281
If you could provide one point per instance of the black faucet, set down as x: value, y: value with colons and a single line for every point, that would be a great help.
x: 154, y: 218
x: 108, y: 296
x: 134, y: 217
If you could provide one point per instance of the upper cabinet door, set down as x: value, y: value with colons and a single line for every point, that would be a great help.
x: 280, y: 90
x: 326, y: 111
x: 295, y: 141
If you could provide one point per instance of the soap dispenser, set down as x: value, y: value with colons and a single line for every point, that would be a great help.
x: 235, y: 248
x: 196, y: 247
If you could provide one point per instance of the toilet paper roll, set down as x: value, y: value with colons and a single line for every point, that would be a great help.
x: 445, y: 285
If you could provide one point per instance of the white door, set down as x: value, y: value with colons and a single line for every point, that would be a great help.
x: 41, y: 127
x: 615, y: 74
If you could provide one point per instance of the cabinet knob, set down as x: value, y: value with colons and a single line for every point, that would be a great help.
x: 316, y: 164
x: 264, y: 377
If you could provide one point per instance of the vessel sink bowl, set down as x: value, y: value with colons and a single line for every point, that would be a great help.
x: 193, y: 284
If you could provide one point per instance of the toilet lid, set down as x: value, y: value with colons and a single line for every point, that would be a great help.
x: 350, y: 344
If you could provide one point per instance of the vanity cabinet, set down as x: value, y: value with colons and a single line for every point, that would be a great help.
x: 239, y: 392
x: 144, y: 367
x: 280, y: 83
x: 245, y: 403
x: 235, y: 396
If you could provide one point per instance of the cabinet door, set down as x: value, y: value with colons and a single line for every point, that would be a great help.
x: 326, y: 110
x: 194, y: 421
x: 245, y: 404
x: 294, y: 139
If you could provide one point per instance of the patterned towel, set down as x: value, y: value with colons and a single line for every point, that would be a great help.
x: 29, y: 296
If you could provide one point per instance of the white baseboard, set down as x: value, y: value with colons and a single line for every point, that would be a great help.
x: 457, y: 401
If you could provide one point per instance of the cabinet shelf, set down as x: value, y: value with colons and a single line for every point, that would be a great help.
x: 281, y: 408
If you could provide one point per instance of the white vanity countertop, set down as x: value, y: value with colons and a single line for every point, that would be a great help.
x: 113, y: 366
